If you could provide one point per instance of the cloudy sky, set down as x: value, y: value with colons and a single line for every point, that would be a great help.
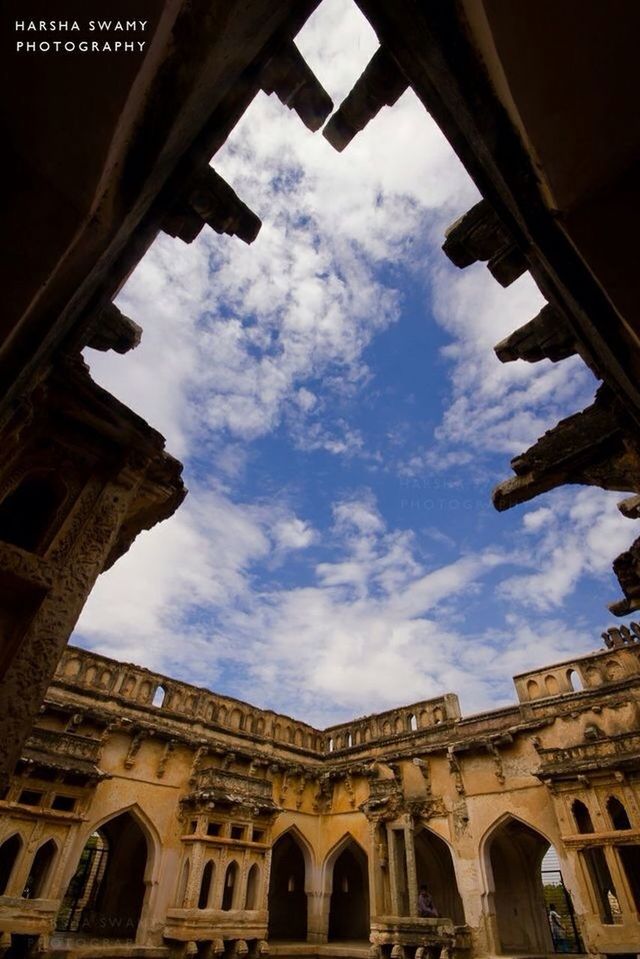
x: 333, y: 393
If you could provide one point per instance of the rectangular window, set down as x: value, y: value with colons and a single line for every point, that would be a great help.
x: 64, y: 803
x: 30, y: 798
x: 213, y: 829
x: 237, y: 832
x: 258, y: 835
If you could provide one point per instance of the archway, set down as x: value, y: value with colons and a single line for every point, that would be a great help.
x: 434, y: 867
x: 349, y: 909
x: 287, y: 896
x: 515, y: 853
x: 106, y: 894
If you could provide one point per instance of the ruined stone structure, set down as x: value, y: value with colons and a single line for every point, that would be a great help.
x: 541, y: 114
x: 150, y: 817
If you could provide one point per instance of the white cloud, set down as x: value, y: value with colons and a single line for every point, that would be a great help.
x: 239, y: 341
x: 579, y: 534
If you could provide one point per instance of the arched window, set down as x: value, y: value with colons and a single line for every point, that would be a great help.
x: 413, y: 723
x: 205, y: 885
x: 617, y: 813
x: 349, y: 740
x: 159, y: 697
x: 230, y: 882
x: 253, y: 885
x: 582, y: 816
x: 9, y: 852
x: 574, y: 680
x: 331, y: 745
x: 183, y: 885
x: 36, y: 883
x: 27, y: 513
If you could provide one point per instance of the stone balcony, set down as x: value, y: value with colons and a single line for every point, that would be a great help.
x: 392, y: 935
x: 196, y: 925
x: 64, y: 744
x: 225, y: 788
x: 28, y: 917
x: 621, y: 751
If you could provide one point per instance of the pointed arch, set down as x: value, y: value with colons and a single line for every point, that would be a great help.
x: 110, y: 901
x: 346, y: 877
x: 252, y: 896
x: 436, y: 869
x: 230, y: 886
x: 617, y: 813
x: 205, y: 884
x: 305, y: 845
x: 10, y: 851
x: 512, y: 851
x: 37, y: 883
x: 290, y: 875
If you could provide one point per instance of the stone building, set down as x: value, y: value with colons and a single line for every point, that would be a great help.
x: 149, y: 817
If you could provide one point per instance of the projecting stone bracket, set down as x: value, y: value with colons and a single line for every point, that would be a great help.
x: 480, y: 235
x: 210, y: 200
x: 590, y: 448
x: 291, y: 79
x: 112, y: 330
x: 381, y: 84
x: 627, y: 569
x: 546, y: 336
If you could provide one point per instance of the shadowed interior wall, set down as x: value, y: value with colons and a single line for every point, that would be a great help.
x: 287, y: 898
x: 349, y: 911
x: 516, y: 854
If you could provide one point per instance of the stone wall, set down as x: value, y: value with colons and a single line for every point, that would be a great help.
x: 227, y: 820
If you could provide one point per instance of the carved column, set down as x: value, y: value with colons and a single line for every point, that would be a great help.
x: 65, y: 588
x: 393, y: 872
x: 318, y: 902
x: 412, y: 875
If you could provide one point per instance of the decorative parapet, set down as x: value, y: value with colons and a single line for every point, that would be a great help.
x: 220, y: 787
x: 618, y: 662
x: 154, y: 693
x: 617, y: 751
x: 394, y: 722
x: 67, y: 745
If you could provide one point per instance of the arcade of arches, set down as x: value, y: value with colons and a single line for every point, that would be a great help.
x: 152, y: 815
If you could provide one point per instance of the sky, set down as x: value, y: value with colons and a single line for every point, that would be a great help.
x: 333, y: 393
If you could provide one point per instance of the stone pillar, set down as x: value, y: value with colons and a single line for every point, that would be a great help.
x: 412, y: 875
x: 318, y: 903
x: 393, y: 872
x: 62, y: 588
x: 376, y: 875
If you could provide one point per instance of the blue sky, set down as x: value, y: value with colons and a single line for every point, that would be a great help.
x: 333, y: 393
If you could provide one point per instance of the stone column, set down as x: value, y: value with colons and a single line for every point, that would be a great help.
x: 62, y: 588
x: 393, y: 872
x: 318, y: 903
x: 376, y: 878
x: 412, y: 875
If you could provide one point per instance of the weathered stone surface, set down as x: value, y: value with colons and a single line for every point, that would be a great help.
x: 381, y: 84
x: 288, y: 76
x: 546, y: 336
x: 216, y: 791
